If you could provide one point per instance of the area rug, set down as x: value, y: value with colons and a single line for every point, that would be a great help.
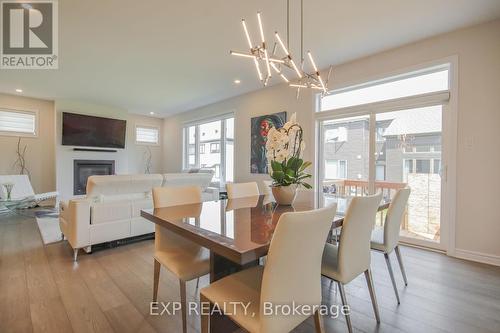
x: 48, y: 224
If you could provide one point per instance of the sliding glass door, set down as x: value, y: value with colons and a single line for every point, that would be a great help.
x: 385, y: 147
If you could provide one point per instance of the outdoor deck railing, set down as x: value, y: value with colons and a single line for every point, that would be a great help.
x: 360, y: 188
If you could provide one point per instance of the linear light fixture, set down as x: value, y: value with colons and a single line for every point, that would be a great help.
x: 260, y: 54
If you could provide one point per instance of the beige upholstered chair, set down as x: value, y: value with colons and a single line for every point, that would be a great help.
x: 240, y: 190
x: 386, y: 239
x: 179, y: 255
x: 343, y: 263
x: 281, y: 281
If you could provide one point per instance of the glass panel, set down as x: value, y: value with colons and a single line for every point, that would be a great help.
x: 406, y: 131
x: 210, y: 135
x: 191, y: 147
x: 410, y: 86
x: 229, y: 162
x: 345, y: 152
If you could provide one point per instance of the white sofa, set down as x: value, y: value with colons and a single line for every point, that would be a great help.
x: 202, y: 179
x: 111, y: 209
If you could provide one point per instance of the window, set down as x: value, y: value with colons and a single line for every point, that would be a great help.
x: 215, y: 147
x: 147, y: 135
x: 387, y: 89
x: 18, y: 123
x: 408, y: 166
x: 209, y: 145
x: 335, y: 169
x: 436, y: 166
x: 422, y: 149
x: 423, y: 166
x: 380, y: 172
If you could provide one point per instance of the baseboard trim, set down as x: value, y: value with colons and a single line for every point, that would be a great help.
x: 478, y: 257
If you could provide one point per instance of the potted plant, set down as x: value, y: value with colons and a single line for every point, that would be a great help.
x: 287, y: 169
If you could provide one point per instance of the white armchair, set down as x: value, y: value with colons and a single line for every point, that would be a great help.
x: 23, y: 189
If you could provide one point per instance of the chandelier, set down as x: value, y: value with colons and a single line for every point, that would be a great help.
x: 283, y: 65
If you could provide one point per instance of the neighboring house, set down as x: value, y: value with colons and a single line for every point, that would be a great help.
x: 406, y: 143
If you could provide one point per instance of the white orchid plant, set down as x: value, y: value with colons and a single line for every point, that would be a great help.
x: 284, y: 147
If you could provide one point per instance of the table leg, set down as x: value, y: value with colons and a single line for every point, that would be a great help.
x: 219, y: 268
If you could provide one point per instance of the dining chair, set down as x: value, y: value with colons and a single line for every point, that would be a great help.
x: 282, y: 281
x: 343, y: 263
x: 185, y: 259
x: 386, y: 239
x: 240, y: 190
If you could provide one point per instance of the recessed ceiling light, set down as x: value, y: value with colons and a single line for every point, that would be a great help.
x: 151, y: 113
x: 237, y: 81
x: 19, y: 90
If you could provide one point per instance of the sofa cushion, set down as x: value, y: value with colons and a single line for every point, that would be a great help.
x: 117, y: 185
x: 110, y: 211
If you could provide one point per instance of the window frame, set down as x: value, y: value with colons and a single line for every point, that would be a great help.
x: 22, y: 134
x: 143, y: 143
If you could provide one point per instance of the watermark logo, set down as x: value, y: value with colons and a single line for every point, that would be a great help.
x: 29, y: 34
x: 243, y: 308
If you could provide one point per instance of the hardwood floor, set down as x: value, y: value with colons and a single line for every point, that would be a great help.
x: 43, y: 290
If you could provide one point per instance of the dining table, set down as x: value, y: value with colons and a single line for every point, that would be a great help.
x: 238, y: 232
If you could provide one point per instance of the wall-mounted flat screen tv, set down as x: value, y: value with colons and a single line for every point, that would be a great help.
x: 89, y: 131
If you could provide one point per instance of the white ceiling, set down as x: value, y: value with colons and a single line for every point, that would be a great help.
x: 173, y: 56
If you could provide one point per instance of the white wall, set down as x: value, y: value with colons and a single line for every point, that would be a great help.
x: 478, y: 155
x: 266, y: 101
x: 40, y: 152
x: 128, y: 160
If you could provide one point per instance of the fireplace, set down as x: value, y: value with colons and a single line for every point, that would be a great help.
x: 83, y: 169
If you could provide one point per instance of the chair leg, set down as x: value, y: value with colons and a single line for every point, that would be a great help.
x: 400, y: 260
x: 344, y: 302
x: 391, y: 273
x: 156, y: 280
x: 183, y: 305
x: 318, y: 322
x: 205, y: 317
x: 75, y: 254
x: 371, y: 288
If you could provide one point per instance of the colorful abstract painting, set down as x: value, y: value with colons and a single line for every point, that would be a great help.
x: 260, y: 127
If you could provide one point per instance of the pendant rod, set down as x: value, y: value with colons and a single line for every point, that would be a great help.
x: 302, y: 30
x: 288, y: 24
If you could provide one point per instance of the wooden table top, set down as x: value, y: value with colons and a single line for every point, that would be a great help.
x: 238, y: 229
